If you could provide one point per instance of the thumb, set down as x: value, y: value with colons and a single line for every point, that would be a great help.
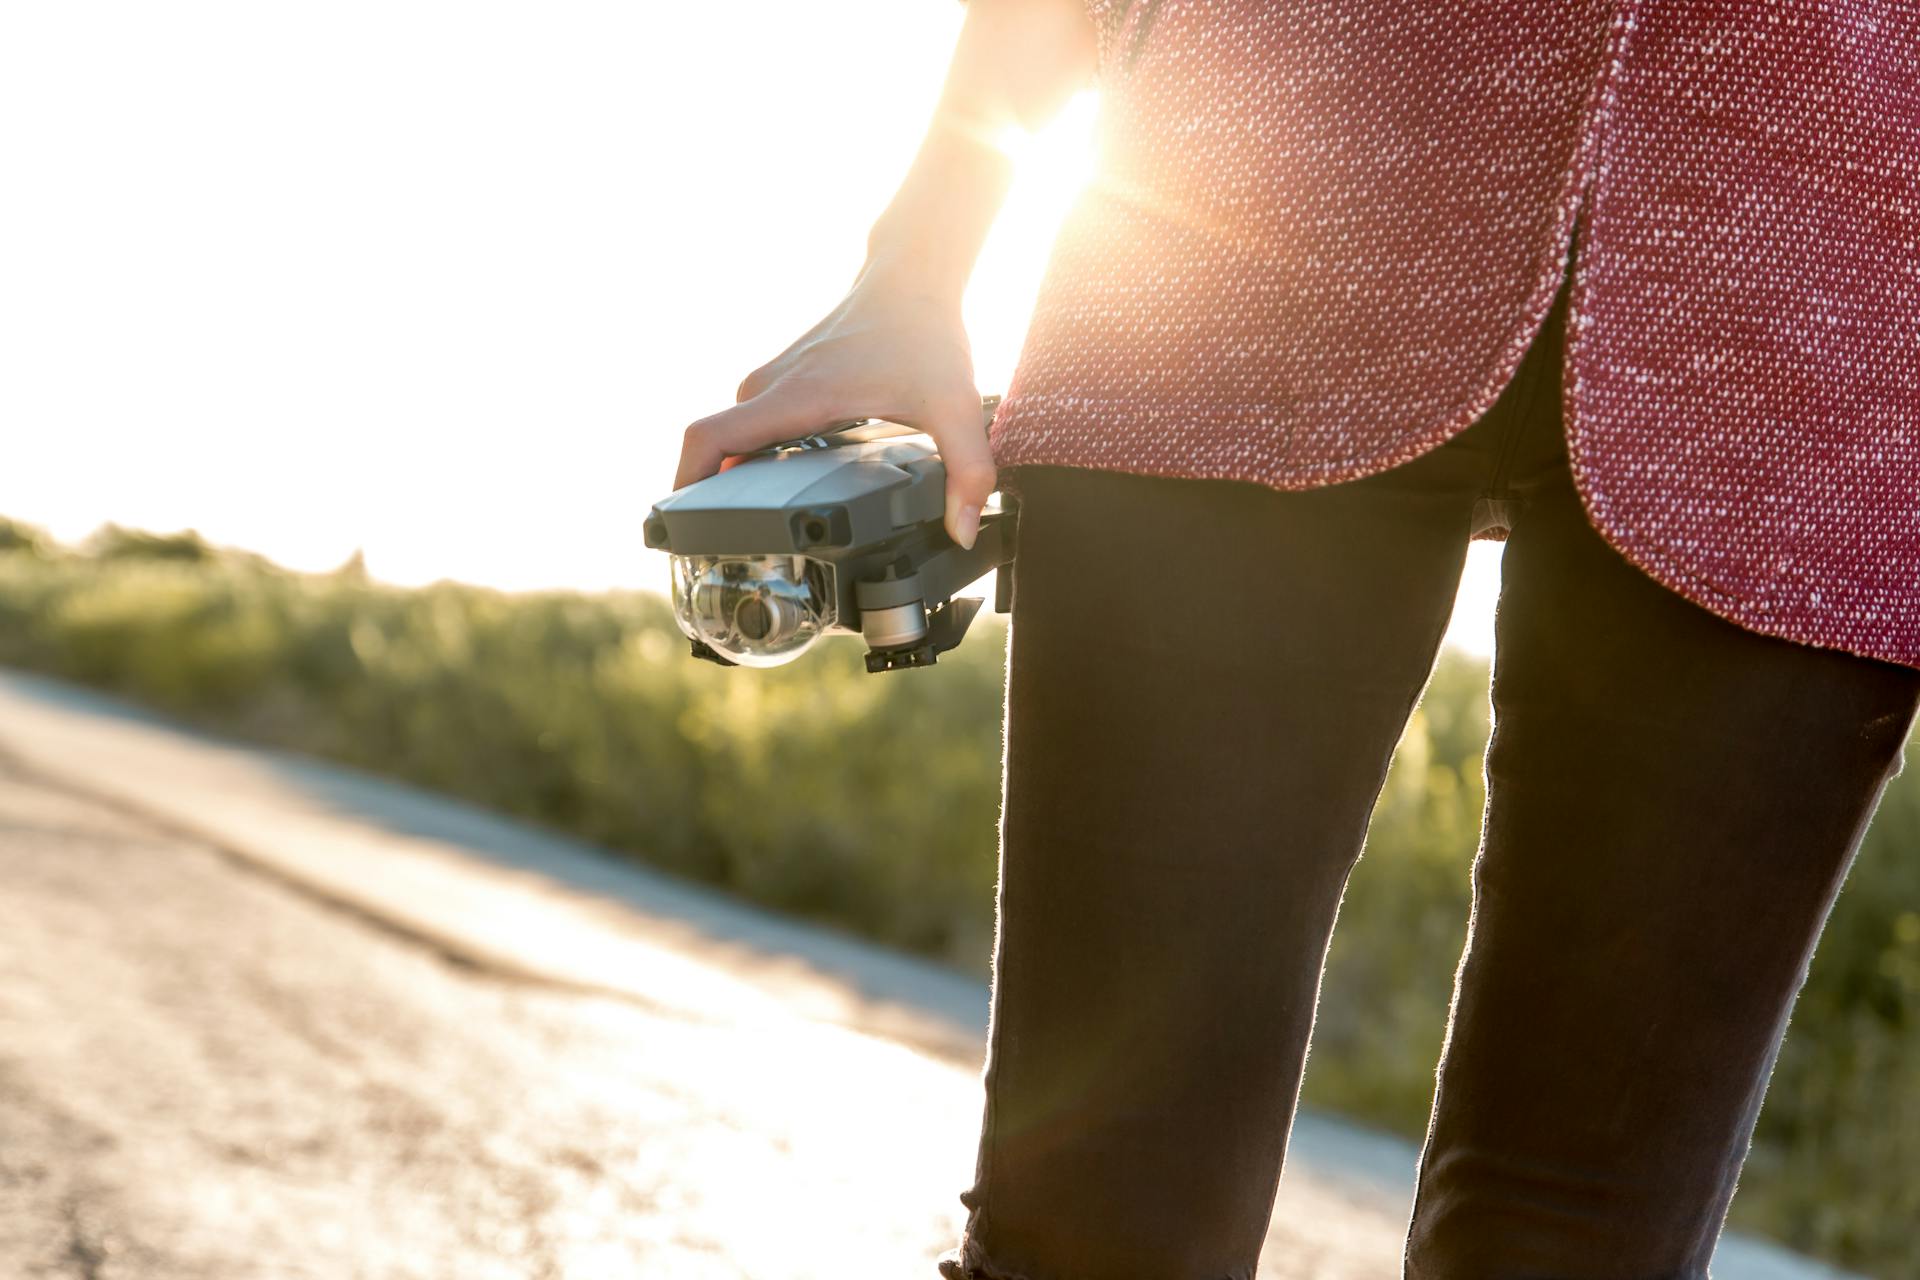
x: 971, y: 476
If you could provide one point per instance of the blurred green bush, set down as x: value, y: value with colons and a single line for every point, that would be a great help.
x: 584, y: 713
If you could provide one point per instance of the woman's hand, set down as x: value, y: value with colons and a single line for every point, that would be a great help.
x: 892, y: 349
x: 895, y: 348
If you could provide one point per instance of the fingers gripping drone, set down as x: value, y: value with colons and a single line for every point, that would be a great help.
x: 839, y: 532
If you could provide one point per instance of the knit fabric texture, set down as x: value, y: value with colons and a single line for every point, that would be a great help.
x: 1321, y: 236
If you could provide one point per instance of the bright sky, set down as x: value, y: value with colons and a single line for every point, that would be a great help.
x: 445, y: 281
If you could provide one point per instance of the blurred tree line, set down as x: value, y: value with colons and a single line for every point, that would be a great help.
x: 871, y: 803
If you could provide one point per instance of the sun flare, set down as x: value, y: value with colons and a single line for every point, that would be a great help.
x: 1052, y: 167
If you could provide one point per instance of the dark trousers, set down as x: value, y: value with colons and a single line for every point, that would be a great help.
x: 1206, y: 681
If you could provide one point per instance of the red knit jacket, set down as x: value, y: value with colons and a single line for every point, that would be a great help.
x: 1323, y: 232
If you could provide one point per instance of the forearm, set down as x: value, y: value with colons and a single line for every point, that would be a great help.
x: 1015, y: 65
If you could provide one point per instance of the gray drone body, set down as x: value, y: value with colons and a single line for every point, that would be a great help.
x: 836, y: 533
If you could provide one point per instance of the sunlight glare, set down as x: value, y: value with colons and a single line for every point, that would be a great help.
x: 1052, y: 167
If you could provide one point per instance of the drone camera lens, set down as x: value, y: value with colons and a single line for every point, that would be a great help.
x: 757, y: 611
x: 755, y: 618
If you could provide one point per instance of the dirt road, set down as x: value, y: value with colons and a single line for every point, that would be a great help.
x: 204, y: 1073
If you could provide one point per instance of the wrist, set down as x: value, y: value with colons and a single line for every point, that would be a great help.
x: 917, y: 267
x: 928, y: 238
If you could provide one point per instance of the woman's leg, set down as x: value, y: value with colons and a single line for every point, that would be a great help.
x: 1673, y: 803
x: 1206, y: 680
